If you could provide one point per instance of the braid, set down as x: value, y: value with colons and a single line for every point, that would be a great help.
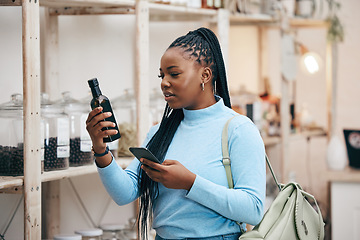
x: 202, y: 45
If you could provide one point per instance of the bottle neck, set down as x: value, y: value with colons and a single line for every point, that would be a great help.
x: 95, y: 91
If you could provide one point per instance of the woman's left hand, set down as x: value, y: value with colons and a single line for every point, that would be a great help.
x: 170, y: 173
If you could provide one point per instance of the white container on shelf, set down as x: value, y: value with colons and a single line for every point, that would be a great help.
x: 113, y: 232
x: 90, y: 233
x: 336, y: 154
x: 67, y: 237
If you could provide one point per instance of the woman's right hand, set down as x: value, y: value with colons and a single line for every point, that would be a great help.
x: 94, y: 125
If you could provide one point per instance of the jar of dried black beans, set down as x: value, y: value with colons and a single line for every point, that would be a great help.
x: 80, y: 141
x: 57, y: 131
x: 12, y: 141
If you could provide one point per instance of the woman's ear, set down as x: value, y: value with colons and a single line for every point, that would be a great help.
x: 206, y: 75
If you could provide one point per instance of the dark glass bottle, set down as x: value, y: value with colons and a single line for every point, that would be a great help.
x: 101, y: 100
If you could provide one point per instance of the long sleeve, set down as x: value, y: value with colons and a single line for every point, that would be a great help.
x: 122, y: 185
x: 245, y: 202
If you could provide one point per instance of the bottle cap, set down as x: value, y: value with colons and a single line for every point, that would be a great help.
x: 93, y: 82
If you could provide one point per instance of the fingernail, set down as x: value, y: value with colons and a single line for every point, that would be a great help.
x: 108, y: 113
x: 113, y: 124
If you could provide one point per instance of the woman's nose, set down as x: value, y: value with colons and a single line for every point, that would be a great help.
x: 164, y: 83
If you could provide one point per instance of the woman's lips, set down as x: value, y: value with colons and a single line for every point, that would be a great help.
x: 168, y: 96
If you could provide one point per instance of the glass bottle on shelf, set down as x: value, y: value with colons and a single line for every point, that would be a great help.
x: 57, y: 131
x: 125, y: 112
x: 80, y: 142
x: 12, y: 140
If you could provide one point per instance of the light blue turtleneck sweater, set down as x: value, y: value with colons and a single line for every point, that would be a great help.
x: 210, y: 208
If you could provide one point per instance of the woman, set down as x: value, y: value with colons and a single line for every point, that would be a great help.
x: 187, y: 196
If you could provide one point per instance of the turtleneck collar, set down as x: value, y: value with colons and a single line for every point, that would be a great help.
x: 205, y: 114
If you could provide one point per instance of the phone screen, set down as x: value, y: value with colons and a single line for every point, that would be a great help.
x: 141, y: 152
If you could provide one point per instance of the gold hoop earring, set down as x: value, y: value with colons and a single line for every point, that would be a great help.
x: 203, y: 86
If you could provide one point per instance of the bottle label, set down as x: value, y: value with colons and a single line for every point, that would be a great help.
x: 85, y: 146
x: 210, y: 3
x: 63, y: 151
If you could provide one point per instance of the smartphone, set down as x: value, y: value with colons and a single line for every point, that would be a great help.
x: 141, y: 152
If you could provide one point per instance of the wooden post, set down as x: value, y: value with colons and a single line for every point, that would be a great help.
x: 51, y: 86
x: 52, y: 208
x: 51, y: 50
x: 223, y: 26
x: 331, y: 86
x: 142, y: 69
x: 263, y: 58
x: 285, y: 127
x: 32, y: 146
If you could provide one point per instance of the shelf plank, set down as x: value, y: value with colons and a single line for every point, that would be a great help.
x: 270, y: 141
x: 347, y: 175
x: 78, y: 171
x: 9, y: 182
x: 246, y: 19
x: 166, y: 12
x: 10, y: 3
x: 87, y: 3
x: 308, y: 23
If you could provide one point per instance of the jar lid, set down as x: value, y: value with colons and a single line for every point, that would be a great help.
x: 15, y: 103
x: 125, y: 100
x: 91, y: 232
x: 112, y: 227
x: 70, y: 104
x: 67, y: 237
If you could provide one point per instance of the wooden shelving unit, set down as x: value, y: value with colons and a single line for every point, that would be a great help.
x: 11, y: 182
x: 144, y: 12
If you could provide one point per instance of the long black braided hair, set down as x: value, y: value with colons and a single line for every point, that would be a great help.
x: 202, y: 45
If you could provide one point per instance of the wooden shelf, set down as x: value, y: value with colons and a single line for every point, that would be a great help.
x: 10, y: 182
x: 309, y: 134
x: 87, y: 3
x: 270, y: 141
x: 165, y: 12
x: 308, y: 23
x: 254, y: 19
x: 347, y: 175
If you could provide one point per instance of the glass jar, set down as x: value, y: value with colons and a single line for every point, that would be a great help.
x: 57, y: 131
x: 113, y: 232
x: 12, y: 139
x: 130, y: 229
x: 124, y: 108
x: 90, y: 234
x: 80, y: 142
x: 157, y: 106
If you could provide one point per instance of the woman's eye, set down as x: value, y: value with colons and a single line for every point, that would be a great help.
x: 161, y: 76
x: 174, y: 74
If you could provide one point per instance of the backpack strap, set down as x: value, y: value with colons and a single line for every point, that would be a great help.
x: 225, y: 153
x: 226, y: 157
